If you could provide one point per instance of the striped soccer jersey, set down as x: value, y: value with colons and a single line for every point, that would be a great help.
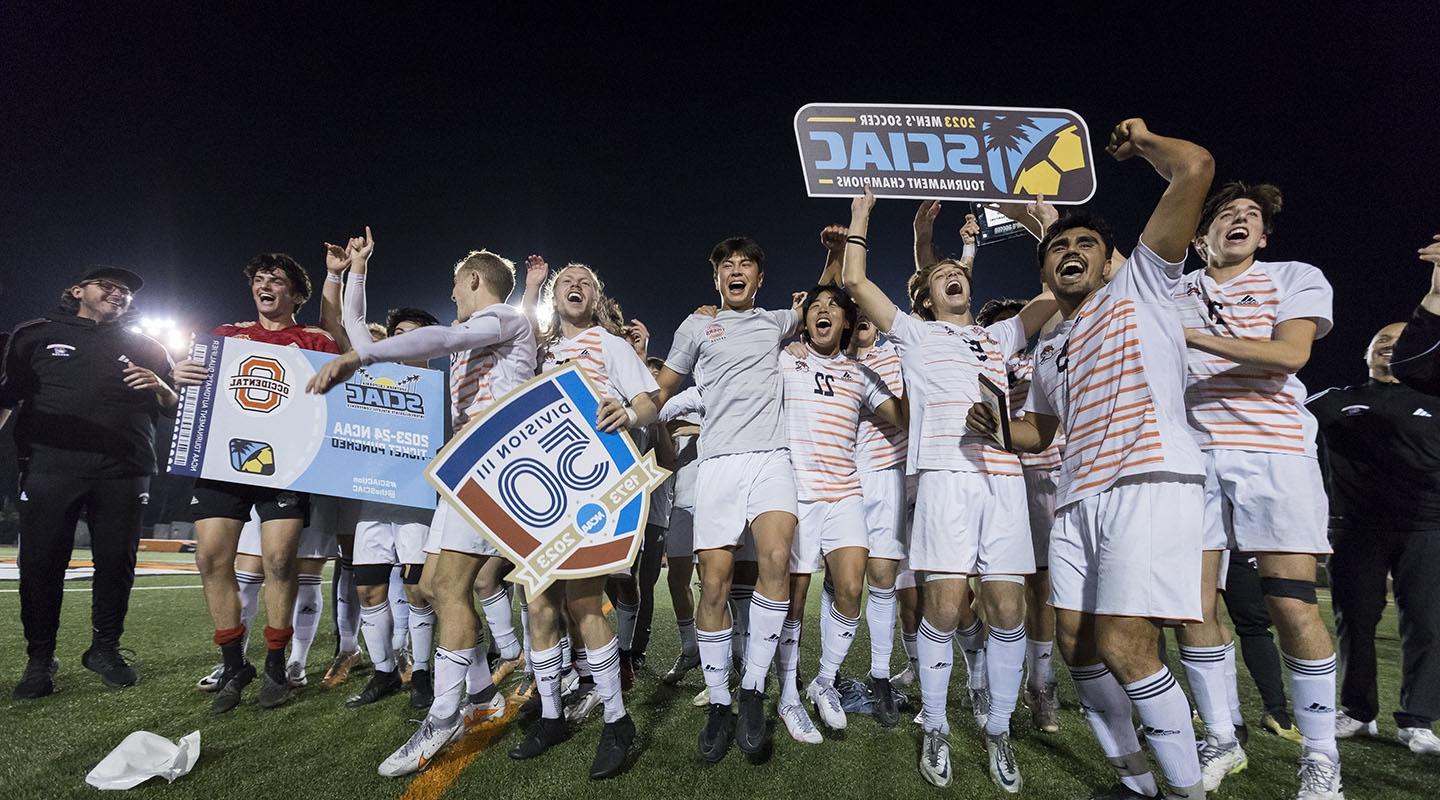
x: 607, y: 360
x: 1239, y: 407
x: 1021, y: 368
x: 823, y: 399
x: 881, y: 445
x: 1114, y: 376
x: 942, y: 364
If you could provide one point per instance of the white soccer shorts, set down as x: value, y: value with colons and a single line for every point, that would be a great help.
x: 825, y: 527
x: 1265, y: 503
x: 971, y: 523
x: 885, y: 512
x: 1040, y: 500
x: 379, y: 542
x: 449, y: 530
x: 731, y: 491
x: 316, y: 541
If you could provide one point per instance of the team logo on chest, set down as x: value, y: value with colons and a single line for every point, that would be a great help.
x: 714, y: 331
x: 60, y: 350
x: 259, y: 384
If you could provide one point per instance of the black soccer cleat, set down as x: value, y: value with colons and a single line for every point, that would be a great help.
x: 112, y: 667
x: 381, y: 686
x: 750, y: 727
x: 38, y: 680
x: 613, y: 753
x: 544, y: 734
x: 886, y: 711
x: 232, y: 682
x: 422, y: 689
x: 274, y: 692
x: 715, y: 736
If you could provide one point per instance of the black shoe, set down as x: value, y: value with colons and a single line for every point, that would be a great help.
x: 422, y: 689
x: 614, y: 750
x: 231, y: 684
x: 112, y: 667
x: 38, y: 680
x: 683, y: 664
x: 750, y: 727
x: 715, y: 736
x: 532, y: 706
x: 637, y: 660
x: 274, y: 693
x: 539, y: 737
x: 1242, y: 734
x: 381, y: 686
x: 886, y: 712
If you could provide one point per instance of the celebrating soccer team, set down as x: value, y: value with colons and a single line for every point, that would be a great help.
x: 1154, y: 424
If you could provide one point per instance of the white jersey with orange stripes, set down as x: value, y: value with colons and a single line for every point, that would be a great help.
x: 1114, y: 376
x: 1240, y: 407
x: 881, y: 445
x: 1021, y: 368
x: 607, y: 360
x: 823, y: 400
x: 490, y: 353
x: 942, y: 364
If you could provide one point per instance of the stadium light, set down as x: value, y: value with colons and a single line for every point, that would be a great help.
x: 166, y: 331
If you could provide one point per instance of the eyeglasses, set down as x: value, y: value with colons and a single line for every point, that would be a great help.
x: 110, y: 286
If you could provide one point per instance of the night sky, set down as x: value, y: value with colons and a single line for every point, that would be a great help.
x: 180, y: 142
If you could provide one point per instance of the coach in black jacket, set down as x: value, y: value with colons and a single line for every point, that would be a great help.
x: 1417, y: 355
x: 89, y: 392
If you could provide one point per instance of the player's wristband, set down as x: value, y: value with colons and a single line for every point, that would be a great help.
x: 332, y: 277
x: 631, y: 418
x: 968, y: 251
x: 857, y: 240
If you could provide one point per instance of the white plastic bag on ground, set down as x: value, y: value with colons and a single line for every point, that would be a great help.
x: 142, y: 756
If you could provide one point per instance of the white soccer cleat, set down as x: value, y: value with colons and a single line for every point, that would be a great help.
x: 1004, y: 771
x: 211, y: 682
x: 422, y: 747
x: 980, y: 705
x: 1319, y: 778
x: 903, y: 679
x: 478, y: 714
x: 569, y: 681
x: 1422, y: 741
x: 935, y: 759
x: 798, y: 723
x: 295, y: 675
x: 581, y: 704
x: 1218, y: 761
x: 827, y: 705
x: 1347, y: 726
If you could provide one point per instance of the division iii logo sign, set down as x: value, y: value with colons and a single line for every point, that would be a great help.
x: 391, y: 395
x: 977, y: 153
x: 556, y: 496
x: 259, y: 384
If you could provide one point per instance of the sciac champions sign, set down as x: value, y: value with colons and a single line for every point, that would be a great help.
x: 556, y: 496
x: 978, y: 153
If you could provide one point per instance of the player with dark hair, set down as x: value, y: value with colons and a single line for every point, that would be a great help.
x: 1250, y: 325
x: 406, y: 318
x: 220, y: 509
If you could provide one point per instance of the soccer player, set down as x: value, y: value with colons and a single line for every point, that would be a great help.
x: 492, y: 349
x: 1125, y: 545
x: 970, y: 495
x: 577, y: 333
x: 744, y: 476
x: 279, y: 286
x: 386, y: 535
x: 1250, y: 325
x: 824, y: 392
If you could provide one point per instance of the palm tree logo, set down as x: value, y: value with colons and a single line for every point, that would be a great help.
x: 1004, y: 134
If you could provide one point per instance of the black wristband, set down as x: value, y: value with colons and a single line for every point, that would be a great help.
x: 860, y: 240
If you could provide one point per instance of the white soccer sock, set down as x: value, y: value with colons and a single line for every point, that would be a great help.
x: 567, y: 654
x: 1205, y: 670
x: 1108, y: 710
x: 347, y: 607
x: 787, y: 658
x: 687, y: 636
x: 376, y: 627
x: 837, y: 633
x: 605, y: 666
x: 1005, y: 657
x: 766, y: 618
x: 937, y: 657
x: 309, y: 602
x: 477, y: 676
x: 1165, y: 714
x: 250, y: 584
x: 715, y: 662
x: 548, y: 668
x: 910, y: 641
x: 399, y: 613
x: 625, y: 616
x: 496, y: 608
x: 972, y: 648
x: 1232, y: 687
x: 1039, y: 664
x: 451, y: 667
x: 880, y: 619
x: 582, y: 663
x: 1313, y: 684
x: 827, y: 596
x: 740, y: 598
x: 422, y: 635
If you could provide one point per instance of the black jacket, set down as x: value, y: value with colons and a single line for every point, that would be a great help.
x: 76, y: 415
x: 1416, y: 358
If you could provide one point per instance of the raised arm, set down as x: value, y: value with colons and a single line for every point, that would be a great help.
x: 537, y: 271
x: 421, y: 344
x: 832, y: 237
x: 353, y: 307
x: 1187, y: 166
x: 1037, y: 312
x: 337, y: 259
x: 1416, y: 358
x: 866, y: 294
x: 1036, y: 217
x: 925, y: 252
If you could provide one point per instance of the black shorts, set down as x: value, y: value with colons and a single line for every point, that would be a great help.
x: 213, y: 499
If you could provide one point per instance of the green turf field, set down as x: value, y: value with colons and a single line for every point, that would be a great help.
x: 314, y: 747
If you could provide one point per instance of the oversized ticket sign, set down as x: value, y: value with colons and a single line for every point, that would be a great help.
x: 554, y: 494
x: 252, y: 422
x: 978, y: 153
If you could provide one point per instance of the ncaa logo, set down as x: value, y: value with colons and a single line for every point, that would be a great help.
x: 259, y: 384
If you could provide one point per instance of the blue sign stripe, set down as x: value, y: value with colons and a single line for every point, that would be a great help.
x: 574, y: 387
x: 468, y: 454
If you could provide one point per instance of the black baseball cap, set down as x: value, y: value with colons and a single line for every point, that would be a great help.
x: 120, y: 275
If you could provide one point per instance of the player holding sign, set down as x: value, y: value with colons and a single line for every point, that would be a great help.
x: 969, y: 512
x: 492, y: 351
x: 1125, y: 546
x: 576, y: 333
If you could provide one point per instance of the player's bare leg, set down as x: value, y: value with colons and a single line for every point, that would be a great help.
x: 279, y: 540
x: 494, y: 599
x: 678, y: 576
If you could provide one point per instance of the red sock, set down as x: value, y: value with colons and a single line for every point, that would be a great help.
x: 224, y: 636
x: 277, y: 638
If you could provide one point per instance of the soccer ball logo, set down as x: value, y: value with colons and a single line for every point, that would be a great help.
x: 252, y: 457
